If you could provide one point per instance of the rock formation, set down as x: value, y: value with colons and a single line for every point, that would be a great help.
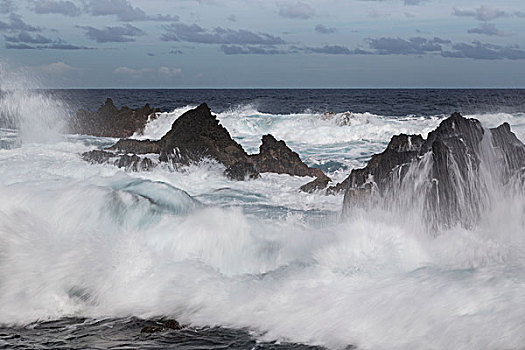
x: 448, y: 176
x: 197, y: 135
x: 109, y: 121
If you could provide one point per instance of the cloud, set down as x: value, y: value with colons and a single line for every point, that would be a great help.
x: 300, y: 10
x: 398, y: 46
x: 124, y: 11
x: 322, y: 29
x: 19, y: 46
x: 119, y: 34
x: 487, y: 29
x: 330, y: 50
x: 59, y: 68
x: 232, y: 18
x: 413, y: 2
x: 25, y: 37
x: 484, y: 51
x: 169, y: 73
x: 250, y: 50
x: 162, y: 72
x: 16, y: 23
x: 6, y: 6
x: 197, y: 34
x: 483, y: 13
x: 66, y: 8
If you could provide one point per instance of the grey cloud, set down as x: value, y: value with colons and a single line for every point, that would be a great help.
x: 483, y: 13
x: 232, y: 18
x: 413, y: 2
x: 66, y: 8
x: 484, y: 51
x: 124, y: 11
x: 250, y: 50
x: 59, y: 45
x: 398, y: 46
x: 322, y: 29
x: 487, y: 29
x: 64, y: 46
x: 6, y: 6
x: 16, y: 23
x: 25, y: 37
x: 197, y: 34
x: 125, y: 33
x: 330, y: 50
x: 519, y: 14
x: 19, y: 46
x: 298, y: 9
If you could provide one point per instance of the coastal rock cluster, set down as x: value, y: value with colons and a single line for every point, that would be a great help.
x: 198, y: 135
x: 109, y: 121
x: 450, y: 176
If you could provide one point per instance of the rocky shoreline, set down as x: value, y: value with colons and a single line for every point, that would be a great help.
x: 445, y: 174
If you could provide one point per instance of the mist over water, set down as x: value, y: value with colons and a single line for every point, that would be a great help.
x: 82, y: 240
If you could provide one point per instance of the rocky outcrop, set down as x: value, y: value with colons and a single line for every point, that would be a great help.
x: 276, y: 157
x: 449, y: 176
x: 197, y: 135
x: 127, y: 161
x: 109, y: 121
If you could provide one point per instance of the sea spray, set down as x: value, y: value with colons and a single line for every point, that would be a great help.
x: 38, y: 116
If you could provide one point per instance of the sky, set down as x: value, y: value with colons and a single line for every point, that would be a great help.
x: 265, y: 43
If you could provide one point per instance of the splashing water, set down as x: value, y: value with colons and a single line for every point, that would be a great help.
x: 38, y: 117
x: 82, y: 240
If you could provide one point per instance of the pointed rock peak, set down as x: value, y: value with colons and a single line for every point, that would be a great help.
x: 405, y: 143
x: 203, y: 107
x: 109, y: 101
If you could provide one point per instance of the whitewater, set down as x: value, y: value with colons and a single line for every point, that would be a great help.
x: 79, y: 240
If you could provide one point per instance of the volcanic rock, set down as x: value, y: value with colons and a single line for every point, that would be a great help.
x: 446, y: 175
x: 276, y: 157
x: 109, y: 121
x: 197, y: 135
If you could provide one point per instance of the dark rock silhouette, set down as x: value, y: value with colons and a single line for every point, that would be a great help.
x: 276, y: 157
x: 197, y: 135
x: 446, y: 174
x: 109, y: 121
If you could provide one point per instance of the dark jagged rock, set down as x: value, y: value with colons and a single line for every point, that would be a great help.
x: 196, y: 135
x: 162, y: 326
x: 401, y: 150
x: 445, y: 174
x: 241, y: 171
x: 109, y: 121
x: 317, y: 184
x: 276, y: 157
x: 128, y: 161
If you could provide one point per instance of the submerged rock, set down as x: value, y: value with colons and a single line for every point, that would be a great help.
x: 109, y: 121
x: 449, y: 176
x: 162, y: 326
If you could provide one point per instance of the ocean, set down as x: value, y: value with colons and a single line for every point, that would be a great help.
x: 90, y: 254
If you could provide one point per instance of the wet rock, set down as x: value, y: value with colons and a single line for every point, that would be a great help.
x: 241, y: 171
x: 161, y: 327
x: 196, y: 135
x: 318, y: 184
x: 443, y: 175
x: 128, y: 161
x: 276, y: 157
x: 109, y: 121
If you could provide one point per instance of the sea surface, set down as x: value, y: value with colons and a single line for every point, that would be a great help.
x: 90, y: 254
